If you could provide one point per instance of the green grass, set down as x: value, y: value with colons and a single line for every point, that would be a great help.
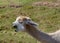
x: 47, y: 18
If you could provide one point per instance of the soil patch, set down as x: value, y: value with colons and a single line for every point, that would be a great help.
x: 46, y: 3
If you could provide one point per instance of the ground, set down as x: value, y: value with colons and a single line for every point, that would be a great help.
x: 46, y: 15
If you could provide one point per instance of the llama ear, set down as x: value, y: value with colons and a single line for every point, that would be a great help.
x: 29, y: 21
x: 32, y: 23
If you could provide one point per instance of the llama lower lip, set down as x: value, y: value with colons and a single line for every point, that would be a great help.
x: 16, y: 31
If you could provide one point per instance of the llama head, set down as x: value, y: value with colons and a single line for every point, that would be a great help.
x: 21, y: 21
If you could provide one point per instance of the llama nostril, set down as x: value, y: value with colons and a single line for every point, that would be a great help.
x: 15, y: 26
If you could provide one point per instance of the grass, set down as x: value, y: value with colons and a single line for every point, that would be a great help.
x: 47, y: 18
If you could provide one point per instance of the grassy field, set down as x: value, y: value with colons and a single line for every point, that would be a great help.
x: 48, y: 19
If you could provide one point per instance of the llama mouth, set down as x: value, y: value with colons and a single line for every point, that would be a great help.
x: 16, y: 31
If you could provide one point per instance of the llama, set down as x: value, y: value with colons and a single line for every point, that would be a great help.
x: 23, y: 23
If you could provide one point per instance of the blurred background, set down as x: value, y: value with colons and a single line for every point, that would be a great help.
x: 44, y: 12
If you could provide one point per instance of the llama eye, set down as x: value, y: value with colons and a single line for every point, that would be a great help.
x: 29, y: 20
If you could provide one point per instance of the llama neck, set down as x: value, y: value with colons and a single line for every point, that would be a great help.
x: 43, y: 37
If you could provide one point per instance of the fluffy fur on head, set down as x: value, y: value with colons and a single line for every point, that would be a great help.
x: 20, y: 22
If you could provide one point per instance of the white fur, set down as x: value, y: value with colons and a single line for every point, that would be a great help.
x: 20, y: 26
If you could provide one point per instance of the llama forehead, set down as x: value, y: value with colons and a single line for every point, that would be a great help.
x: 21, y: 18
